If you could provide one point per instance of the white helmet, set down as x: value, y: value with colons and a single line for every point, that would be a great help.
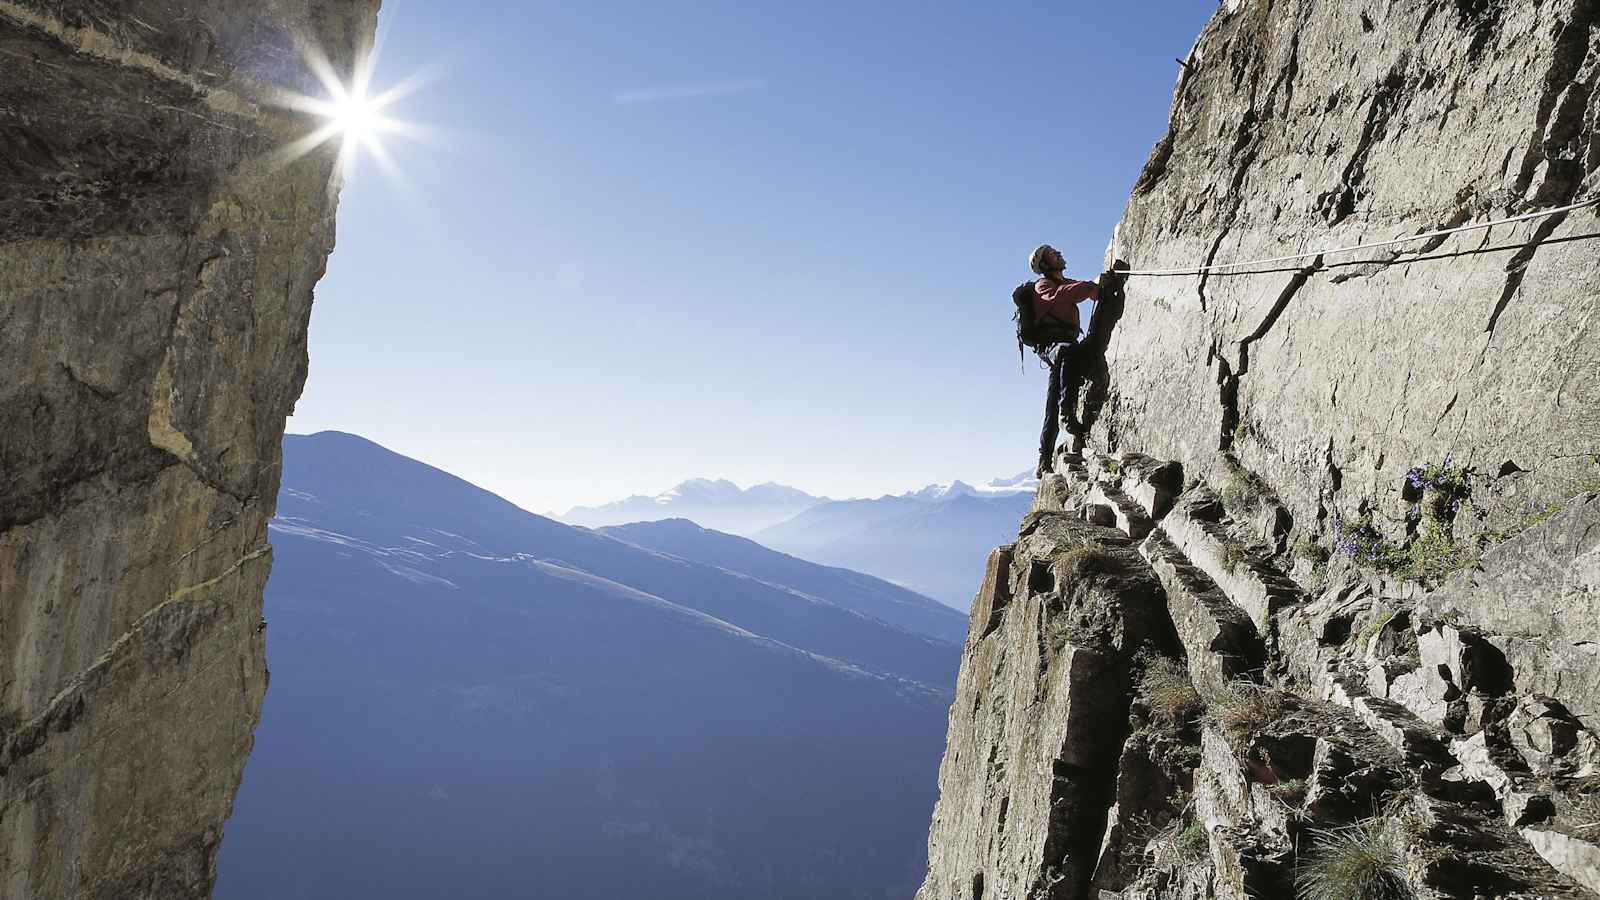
x: 1040, y: 254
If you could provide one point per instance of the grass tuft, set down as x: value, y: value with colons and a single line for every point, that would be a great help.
x: 1193, y: 842
x: 1166, y: 687
x: 1232, y: 555
x: 1240, y: 494
x: 1244, y: 490
x: 1582, y: 809
x: 1244, y: 709
x: 1180, y: 847
x: 1307, y: 548
x: 1358, y: 862
x: 1291, y: 791
x: 1087, y: 559
x: 1184, y: 757
x: 1432, y: 554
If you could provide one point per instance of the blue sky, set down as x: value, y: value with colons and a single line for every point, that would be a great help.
x: 757, y: 241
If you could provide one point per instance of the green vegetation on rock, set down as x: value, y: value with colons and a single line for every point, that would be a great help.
x: 1166, y: 687
x: 1358, y: 862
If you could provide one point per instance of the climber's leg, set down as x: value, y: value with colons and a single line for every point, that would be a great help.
x: 1071, y: 384
x: 1052, y: 401
x: 1094, y: 400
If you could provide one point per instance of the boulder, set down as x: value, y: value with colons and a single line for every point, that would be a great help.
x: 1054, y: 495
x: 1550, y: 740
x: 1573, y: 857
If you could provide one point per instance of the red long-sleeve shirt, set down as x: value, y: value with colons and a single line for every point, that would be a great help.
x: 1060, y: 299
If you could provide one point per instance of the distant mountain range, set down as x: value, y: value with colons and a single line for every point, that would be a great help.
x: 932, y: 541
x: 469, y: 700
x: 718, y: 504
x: 999, y: 487
x: 865, y: 594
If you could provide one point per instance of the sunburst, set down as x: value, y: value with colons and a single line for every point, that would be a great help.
x: 350, y: 112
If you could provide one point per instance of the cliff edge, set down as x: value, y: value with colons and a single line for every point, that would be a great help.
x: 1314, y: 610
x: 157, y: 264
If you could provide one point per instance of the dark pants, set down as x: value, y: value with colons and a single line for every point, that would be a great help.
x: 1088, y: 366
x: 1055, y: 397
x: 1070, y: 368
x: 1074, y: 364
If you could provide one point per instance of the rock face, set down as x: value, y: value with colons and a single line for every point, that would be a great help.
x: 1304, y: 125
x: 1173, y: 715
x: 1037, y: 728
x: 157, y: 259
x: 1366, y: 487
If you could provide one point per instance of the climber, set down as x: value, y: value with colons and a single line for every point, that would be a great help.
x: 1088, y: 357
x: 1055, y: 302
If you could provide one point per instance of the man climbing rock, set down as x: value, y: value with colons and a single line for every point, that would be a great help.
x: 1088, y: 357
x: 1055, y: 303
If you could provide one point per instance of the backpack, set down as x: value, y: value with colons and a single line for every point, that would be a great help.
x: 1033, y: 332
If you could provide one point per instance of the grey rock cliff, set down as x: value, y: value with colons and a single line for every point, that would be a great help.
x: 1040, y: 718
x: 156, y: 270
x: 1305, y: 125
x: 1151, y: 707
x: 1363, y: 487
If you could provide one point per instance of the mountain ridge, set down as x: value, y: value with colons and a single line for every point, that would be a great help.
x: 366, y: 470
x: 933, y: 546
x: 479, y: 690
x: 892, y: 603
x: 715, y: 502
x: 924, y: 540
x: 722, y: 505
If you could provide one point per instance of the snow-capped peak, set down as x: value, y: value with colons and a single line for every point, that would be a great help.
x: 997, y: 487
x: 1022, y: 481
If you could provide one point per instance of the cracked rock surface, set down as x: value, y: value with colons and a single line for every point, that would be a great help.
x: 1151, y: 707
x: 156, y: 270
x: 1031, y: 765
x: 1305, y: 125
x: 1340, y: 642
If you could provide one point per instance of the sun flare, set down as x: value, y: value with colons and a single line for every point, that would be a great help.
x: 355, y: 116
x: 350, y: 112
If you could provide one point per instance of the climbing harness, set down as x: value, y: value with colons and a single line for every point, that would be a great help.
x: 1216, y: 268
